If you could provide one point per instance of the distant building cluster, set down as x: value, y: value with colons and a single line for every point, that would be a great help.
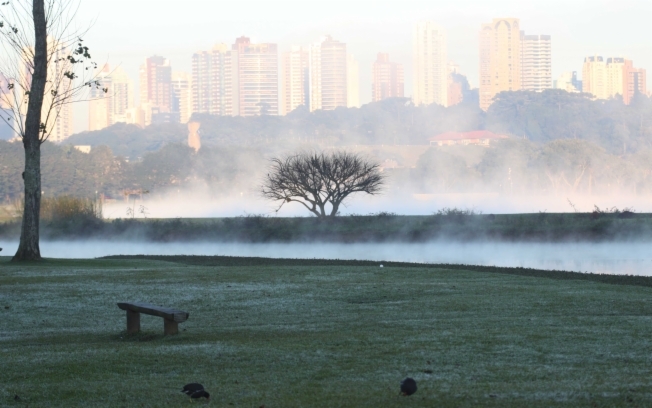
x: 247, y: 79
x: 510, y: 60
x: 606, y: 78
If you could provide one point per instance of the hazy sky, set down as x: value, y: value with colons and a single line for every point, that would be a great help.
x: 127, y: 31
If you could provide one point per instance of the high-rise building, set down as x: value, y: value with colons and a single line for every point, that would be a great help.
x: 58, y: 119
x: 352, y: 82
x: 182, y: 95
x: 635, y: 83
x: 536, y: 62
x: 430, y: 64
x: 500, y: 58
x: 594, y: 77
x: 387, y: 79
x: 156, y: 84
x: 211, y: 81
x: 295, y: 86
x: 568, y: 81
x: 328, y: 74
x: 605, y: 79
x: 241, y: 81
x: 615, y: 70
x: 62, y: 118
x: 110, y: 107
x: 254, y: 70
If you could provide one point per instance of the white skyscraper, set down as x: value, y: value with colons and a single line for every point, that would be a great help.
x: 110, y: 107
x: 352, y: 82
x: 328, y: 74
x: 536, y: 62
x: 294, y: 79
x: 182, y: 95
x: 430, y: 60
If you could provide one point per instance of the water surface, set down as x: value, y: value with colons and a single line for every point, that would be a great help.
x: 610, y: 258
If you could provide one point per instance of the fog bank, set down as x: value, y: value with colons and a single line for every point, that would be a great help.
x: 200, y: 204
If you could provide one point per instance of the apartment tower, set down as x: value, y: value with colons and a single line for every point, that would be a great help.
x: 568, y: 81
x: 328, y: 74
x: 211, y: 81
x: 635, y: 81
x: 352, y: 82
x: 182, y: 95
x: 110, y: 107
x: 254, y: 70
x: 536, y: 62
x: 430, y: 61
x: 605, y: 79
x: 387, y: 79
x: 294, y: 79
x: 500, y: 59
x: 58, y: 120
x: 156, y: 83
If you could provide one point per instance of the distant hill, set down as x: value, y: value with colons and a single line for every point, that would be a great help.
x: 131, y: 141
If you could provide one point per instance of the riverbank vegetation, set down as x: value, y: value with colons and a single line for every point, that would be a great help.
x: 448, y: 224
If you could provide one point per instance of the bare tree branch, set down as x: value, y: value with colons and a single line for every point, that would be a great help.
x: 317, y: 180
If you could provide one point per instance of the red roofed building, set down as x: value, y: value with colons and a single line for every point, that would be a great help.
x: 477, y: 137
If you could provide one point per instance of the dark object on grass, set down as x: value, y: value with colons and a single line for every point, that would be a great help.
x: 408, y: 387
x: 195, y: 391
x: 16, y: 397
x: 201, y: 394
x: 191, y: 388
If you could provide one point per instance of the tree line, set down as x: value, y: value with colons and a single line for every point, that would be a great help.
x: 67, y: 171
x: 519, y: 166
x: 537, y: 117
x: 513, y: 166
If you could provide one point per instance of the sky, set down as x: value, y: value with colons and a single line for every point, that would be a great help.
x: 125, y: 32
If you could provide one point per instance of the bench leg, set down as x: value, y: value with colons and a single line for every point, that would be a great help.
x: 170, y: 326
x: 133, y: 322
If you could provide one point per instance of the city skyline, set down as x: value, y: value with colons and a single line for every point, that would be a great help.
x: 586, y: 28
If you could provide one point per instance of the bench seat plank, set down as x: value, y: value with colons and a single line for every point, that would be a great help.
x: 178, y: 316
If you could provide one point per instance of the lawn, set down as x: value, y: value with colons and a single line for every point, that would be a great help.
x: 313, y: 334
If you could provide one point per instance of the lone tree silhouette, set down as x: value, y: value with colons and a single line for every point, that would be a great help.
x: 317, y: 180
x: 45, y: 66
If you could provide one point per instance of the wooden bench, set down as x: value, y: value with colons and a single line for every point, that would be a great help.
x: 171, y: 317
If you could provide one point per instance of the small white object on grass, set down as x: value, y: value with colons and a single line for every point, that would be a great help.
x: 381, y: 265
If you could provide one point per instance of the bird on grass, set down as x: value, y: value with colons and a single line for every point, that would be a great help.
x: 408, y: 387
x: 195, y: 391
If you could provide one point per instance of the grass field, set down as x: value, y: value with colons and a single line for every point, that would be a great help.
x: 314, y: 334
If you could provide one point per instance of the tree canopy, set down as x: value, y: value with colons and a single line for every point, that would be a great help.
x: 320, y: 180
x: 536, y: 116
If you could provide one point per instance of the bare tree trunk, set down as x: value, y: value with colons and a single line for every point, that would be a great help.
x: 28, y: 249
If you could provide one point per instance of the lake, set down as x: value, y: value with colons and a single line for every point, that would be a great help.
x: 609, y: 258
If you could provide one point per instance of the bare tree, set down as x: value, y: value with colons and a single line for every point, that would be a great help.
x: 317, y: 180
x: 45, y: 66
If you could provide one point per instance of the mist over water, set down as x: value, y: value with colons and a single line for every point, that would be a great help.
x: 632, y: 258
x: 199, y: 204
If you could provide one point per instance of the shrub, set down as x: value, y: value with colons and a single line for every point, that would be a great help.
x: 68, y: 208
